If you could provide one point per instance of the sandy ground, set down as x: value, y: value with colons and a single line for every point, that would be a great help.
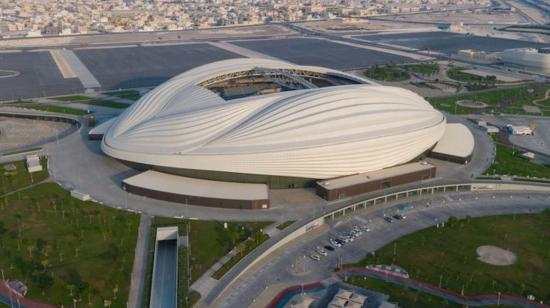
x: 495, y: 255
x: 18, y: 133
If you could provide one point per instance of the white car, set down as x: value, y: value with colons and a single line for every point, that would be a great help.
x: 335, y: 243
x: 315, y: 257
x: 321, y: 251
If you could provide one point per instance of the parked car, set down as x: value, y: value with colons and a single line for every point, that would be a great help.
x: 335, y: 242
x: 399, y: 216
x: 329, y: 248
x: 315, y: 257
x: 321, y: 251
x: 388, y: 219
x: 365, y: 228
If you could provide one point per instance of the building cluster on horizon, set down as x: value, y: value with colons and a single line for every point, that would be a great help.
x: 30, y: 18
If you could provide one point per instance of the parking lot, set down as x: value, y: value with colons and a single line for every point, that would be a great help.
x: 448, y: 42
x: 295, y: 265
x: 132, y: 67
x: 38, y: 75
x: 306, y: 51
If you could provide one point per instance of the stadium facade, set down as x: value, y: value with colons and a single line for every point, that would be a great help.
x: 257, y: 120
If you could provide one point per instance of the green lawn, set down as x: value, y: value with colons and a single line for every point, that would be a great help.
x: 91, y: 101
x: 457, y: 73
x: 509, y: 162
x: 65, y: 249
x: 406, y: 297
x: 244, y: 248
x: 72, y: 98
x: 422, y: 68
x: 209, y: 241
x: 128, y: 94
x: 474, y: 82
x: 509, y: 100
x: 186, y: 298
x: 104, y: 103
x: 386, y: 73
x: 20, y: 178
x: 49, y: 108
x: 449, y: 254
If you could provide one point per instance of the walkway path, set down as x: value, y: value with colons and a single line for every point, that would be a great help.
x: 206, y: 282
x: 546, y: 96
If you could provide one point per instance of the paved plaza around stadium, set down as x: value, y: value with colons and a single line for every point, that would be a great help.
x: 133, y: 67
x: 305, y: 51
x: 448, y: 42
x: 38, y: 76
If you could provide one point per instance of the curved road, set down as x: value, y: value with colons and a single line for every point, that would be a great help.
x: 290, y: 265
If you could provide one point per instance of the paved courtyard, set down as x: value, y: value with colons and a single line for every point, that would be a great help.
x: 133, y: 67
x: 306, y: 51
x: 38, y: 76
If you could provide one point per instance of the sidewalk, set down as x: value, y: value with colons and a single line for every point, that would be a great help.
x: 206, y: 283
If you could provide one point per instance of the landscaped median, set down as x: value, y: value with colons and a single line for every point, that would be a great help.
x: 474, y: 82
x: 209, y: 241
x: 508, y: 100
x: 126, y: 94
x: 91, y: 101
x: 400, y: 72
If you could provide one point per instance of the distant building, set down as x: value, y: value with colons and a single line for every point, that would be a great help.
x: 33, y: 163
x: 519, y: 130
x: 476, y: 56
x: 528, y: 58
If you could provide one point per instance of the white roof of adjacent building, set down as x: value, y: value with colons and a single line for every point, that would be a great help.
x: 312, y: 133
x: 102, y: 128
x: 180, y: 185
x: 366, y: 177
x: 457, y: 141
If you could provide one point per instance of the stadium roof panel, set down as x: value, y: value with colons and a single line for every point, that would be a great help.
x: 311, y: 133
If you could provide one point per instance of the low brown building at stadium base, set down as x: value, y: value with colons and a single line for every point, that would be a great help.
x: 348, y: 186
x: 186, y: 190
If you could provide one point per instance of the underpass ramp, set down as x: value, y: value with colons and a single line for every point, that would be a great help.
x: 164, y: 285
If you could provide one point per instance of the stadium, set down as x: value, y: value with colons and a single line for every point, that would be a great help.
x: 269, y: 122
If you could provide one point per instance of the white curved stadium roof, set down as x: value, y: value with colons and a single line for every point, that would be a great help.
x: 312, y: 133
